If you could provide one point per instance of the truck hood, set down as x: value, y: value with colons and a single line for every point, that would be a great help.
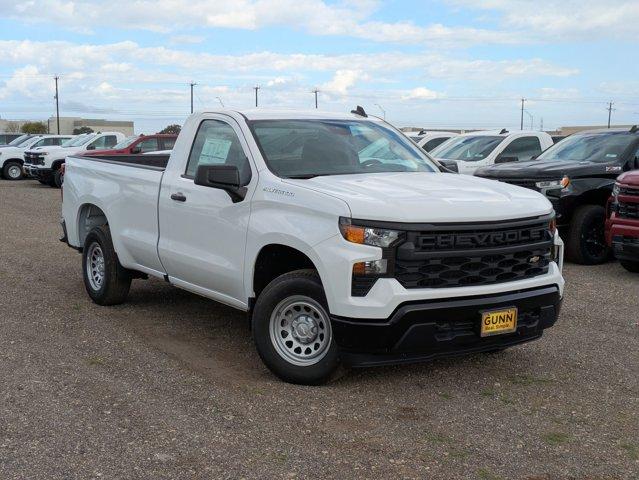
x: 429, y: 197
x: 537, y: 169
x: 630, y: 178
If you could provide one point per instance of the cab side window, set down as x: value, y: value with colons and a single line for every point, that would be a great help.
x: 148, y: 145
x: 523, y: 148
x: 168, y: 143
x: 435, y: 142
x: 217, y: 144
x: 106, y: 141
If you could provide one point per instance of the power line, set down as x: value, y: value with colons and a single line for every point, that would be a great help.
x: 192, y: 85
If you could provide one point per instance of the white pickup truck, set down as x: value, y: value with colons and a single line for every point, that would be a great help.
x: 45, y: 164
x: 12, y: 156
x: 470, y: 151
x: 338, y: 257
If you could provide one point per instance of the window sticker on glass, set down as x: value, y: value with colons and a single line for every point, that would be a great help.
x: 611, y: 155
x: 215, y: 151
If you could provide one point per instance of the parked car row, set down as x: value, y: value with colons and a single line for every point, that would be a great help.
x: 577, y: 174
x: 42, y: 157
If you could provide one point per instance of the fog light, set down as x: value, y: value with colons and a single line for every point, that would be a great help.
x: 373, y: 267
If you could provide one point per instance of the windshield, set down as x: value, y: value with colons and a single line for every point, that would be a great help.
x: 470, y: 149
x: 308, y: 148
x: 593, y: 147
x: 79, y: 140
x: 21, y: 139
x: 125, y: 143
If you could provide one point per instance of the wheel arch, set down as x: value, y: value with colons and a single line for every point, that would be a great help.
x: 89, y: 216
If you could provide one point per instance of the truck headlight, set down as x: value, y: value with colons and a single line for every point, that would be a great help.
x: 615, y: 191
x: 376, y: 237
x: 549, y: 184
x: 44, y: 153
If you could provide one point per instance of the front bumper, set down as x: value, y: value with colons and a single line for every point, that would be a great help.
x: 419, y: 331
x: 43, y: 174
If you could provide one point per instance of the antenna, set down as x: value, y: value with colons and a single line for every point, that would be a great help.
x: 359, y: 111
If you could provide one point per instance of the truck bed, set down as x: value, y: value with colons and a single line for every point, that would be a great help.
x: 155, y: 162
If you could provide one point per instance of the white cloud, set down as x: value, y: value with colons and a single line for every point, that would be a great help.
x: 543, y: 20
x: 347, y: 18
x: 421, y: 93
x: 343, y: 81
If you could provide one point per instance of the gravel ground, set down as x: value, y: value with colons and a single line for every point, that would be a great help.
x: 169, y: 385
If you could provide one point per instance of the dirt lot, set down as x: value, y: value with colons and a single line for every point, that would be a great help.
x: 169, y: 385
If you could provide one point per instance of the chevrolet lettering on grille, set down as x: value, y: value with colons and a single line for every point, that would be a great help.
x: 483, y: 239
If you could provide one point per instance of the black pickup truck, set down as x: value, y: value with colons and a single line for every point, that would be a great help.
x: 577, y: 176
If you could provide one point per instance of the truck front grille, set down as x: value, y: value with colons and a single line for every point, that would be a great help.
x: 632, y: 191
x: 530, y: 184
x: 481, y: 254
x: 628, y: 210
x: 33, y: 159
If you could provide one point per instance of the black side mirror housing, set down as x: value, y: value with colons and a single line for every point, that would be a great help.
x: 136, y: 150
x: 506, y: 159
x: 91, y: 147
x: 223, y: 177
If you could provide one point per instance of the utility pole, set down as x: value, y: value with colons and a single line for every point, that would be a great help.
x: 192, y: 85
x: 609, y: 112
x: 316, y: 91
x: 523, y: 100
x: 256, y: 88
x: 57, y: 107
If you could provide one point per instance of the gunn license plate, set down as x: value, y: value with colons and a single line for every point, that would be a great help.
x: 496, y: 322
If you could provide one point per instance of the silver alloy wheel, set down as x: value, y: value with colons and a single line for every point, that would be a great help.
x: 300, y: 330
x: 14, y: 172
x: 95, y: 266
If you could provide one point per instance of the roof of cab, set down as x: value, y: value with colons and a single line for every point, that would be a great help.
x: 274, y: 114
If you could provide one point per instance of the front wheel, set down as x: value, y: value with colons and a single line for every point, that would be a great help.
x: 629, y: 265
x: 586, y: 239
x: 292, y: 329
x: 58, y: 178
x: 106, y: 281
x: 12, y: 171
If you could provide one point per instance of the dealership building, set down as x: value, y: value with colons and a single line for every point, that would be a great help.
x: 69, y: 124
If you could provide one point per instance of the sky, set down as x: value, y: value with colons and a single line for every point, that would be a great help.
x: 435, y: 64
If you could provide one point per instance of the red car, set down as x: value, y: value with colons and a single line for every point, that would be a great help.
x: 622, y: 226
x: 138, y: 144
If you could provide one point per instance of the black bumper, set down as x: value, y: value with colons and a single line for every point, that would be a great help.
x: 44, y: 174
x: 427, y: 330
x: 626, y: 248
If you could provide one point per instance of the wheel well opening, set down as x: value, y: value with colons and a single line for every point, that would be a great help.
x: 595, y: 197
x: 14, y: 160
x: 276, y: 260
x: 90, y: 217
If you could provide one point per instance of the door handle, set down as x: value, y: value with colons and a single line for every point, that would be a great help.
x: 178, y: 197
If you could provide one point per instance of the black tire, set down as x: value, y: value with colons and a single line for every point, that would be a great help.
x: 629, y: 265
x: 116, y: 280
x: 42, y: 181
x: 57, y: 178
x: 301, y: 286
x: 12, y: 170
x: 586, y: 242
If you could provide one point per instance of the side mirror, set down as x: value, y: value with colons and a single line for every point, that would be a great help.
x: 136, y: 150
x: 506, y: 159
x: 224, y: 177
x: 91, y: 147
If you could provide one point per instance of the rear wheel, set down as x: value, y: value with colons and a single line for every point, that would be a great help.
x: 292, y: 329
x: 106, y: 281
x: 586, y: 242
x: 12, y: 171
x: 630, y: 265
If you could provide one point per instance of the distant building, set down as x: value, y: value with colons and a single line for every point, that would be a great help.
x: 580, y: 128
x: 69, y: 124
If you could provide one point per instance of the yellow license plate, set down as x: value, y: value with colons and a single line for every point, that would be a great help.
x: 498, y: 321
